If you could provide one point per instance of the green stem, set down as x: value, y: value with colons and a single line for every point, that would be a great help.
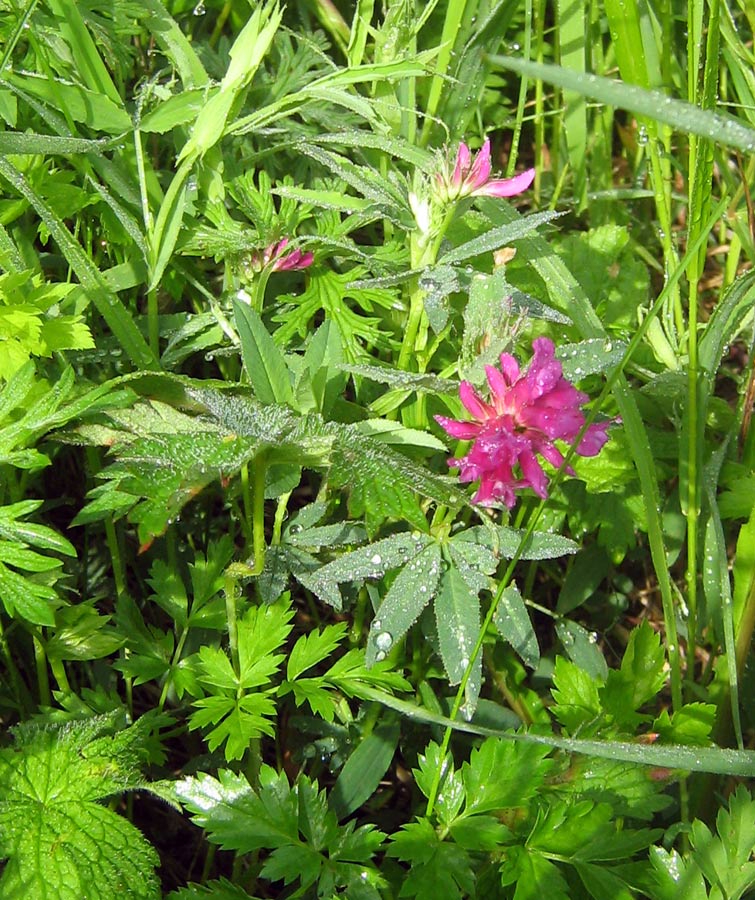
x: 231, y: 590
x: 258, y: 514
x: 43, y: 680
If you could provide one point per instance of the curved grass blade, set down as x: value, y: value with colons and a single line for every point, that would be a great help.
x: 651, y: 104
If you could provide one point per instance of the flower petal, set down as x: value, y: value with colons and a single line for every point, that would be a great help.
x: 475, y: 406
x: 464, y: 431
x: 480, y: 170
x: 505, y: 187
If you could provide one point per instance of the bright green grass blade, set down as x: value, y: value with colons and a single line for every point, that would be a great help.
x: 651, y: 104
x: 451, y: 25
x: 18, y: 142
x: 10, y: 258
x: 571, y: 16
x: 108, y: 305
x: 89, y: 64
x: 360, y: 30
x: 717, y: 760
x: 175, y: 45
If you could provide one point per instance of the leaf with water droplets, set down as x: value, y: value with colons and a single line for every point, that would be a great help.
x: 457, y: 614
x: 591, y: 357
x: 513, y: 623
x: 504, y: 542
x: 413, y: 589
x: 581, y: 648
x: 372, y: 561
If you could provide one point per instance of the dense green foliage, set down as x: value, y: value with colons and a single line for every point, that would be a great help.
x: 256, y: 638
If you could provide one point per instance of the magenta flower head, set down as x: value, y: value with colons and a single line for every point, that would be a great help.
x: 471, y: 177
x: 526, y: 413
x: 282, y: 261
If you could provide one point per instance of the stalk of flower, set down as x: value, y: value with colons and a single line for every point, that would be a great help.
x: 434, y: 204
x: 527, y: 412
x: 274, y: 258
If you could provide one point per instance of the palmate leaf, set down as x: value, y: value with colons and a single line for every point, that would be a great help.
x: 61, y: 843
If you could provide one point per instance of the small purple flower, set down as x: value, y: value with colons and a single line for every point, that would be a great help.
x: 471, y: 177
x: 282, y: 261
x: 526, y: 414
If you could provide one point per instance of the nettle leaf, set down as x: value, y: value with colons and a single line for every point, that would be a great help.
x: 413, y: 588
x: 305, y: 841
x: 59, y: 839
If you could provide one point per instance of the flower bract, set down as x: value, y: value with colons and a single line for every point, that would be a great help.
x: 282, y: 261
x: 526, y: 413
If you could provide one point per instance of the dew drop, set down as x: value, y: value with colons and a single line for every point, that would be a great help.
x: 380, y: 656
x: 376, y: 559
x: 384, y: 641
x: 376, y: 625
x: 464, y: 662
x: 199, y: 9
x: 423, y: 589
x: 295, y: 529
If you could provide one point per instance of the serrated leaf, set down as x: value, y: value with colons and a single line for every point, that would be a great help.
x: 514, y: 625
x: 576, y: 694
x: 314, y: 647
x: 438, y: 869
x: 52, y: 828
x: 413, y: 588
x: 451, y: 788
x: 503, y: 774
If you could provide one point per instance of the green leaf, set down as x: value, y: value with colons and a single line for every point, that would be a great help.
x: 372, y: 561
x: 513, y: 623
x: 212, y: 890
x: 364, y: 769
x: 413, y: 588
x: 451, y: 790
x: 535, y: 877
x: 438, y: 869
x: 673, y: 876
x: 241, y: 705
x: 498, y: 237
x: 59, y: 840
x: 263, y: 361
x: 313, y: 648
x: 651, y: 104
x: 293, y: 822
x: 725, y: 859
x: 640, y: 678
x: 501, y: 775
x: 576, y: 694
x: 457, y: 616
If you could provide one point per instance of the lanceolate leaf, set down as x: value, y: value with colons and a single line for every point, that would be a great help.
x: 413, y: 589
x: 263, y: 361
x: 513, y: 623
